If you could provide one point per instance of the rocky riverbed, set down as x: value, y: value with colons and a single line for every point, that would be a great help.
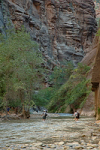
x: 56, y: 133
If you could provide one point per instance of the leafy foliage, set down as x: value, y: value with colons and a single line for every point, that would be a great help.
x: 61, y: 74
x: 43, y: 97
x: 57, y: 78
x: 73, y: 92
x: 98, y: 33
x: 20, y: 66
x: 21, y: 74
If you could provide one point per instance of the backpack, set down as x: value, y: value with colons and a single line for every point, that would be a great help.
x: 78, y: 115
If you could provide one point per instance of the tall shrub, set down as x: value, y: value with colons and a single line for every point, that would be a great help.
x: 20, y: 66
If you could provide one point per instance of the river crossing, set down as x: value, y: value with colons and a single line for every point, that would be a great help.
x: 61, y: 132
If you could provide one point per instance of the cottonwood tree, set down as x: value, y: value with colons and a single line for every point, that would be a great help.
x: 20, y: 67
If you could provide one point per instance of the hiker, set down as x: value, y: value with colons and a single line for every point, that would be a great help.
x: 44, y: 115
x: 8, y: 108
x: 77, y: 115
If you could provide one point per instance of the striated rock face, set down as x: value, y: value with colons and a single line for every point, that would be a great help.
x: 63, y: 28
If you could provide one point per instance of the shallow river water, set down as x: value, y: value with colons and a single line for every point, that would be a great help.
x: 52, y: 130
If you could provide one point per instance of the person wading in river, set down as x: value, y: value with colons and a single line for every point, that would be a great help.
x: 44, y: 115
x: 77, y: 115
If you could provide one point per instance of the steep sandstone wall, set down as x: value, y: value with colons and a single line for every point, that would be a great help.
x: 90, y: 59
x: 63, y: 28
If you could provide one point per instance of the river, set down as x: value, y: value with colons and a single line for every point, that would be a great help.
x: 55, y: 129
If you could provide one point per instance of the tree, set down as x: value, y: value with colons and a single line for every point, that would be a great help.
x: 74, y: 92
x: 61, y: 74
x: 20, y: 67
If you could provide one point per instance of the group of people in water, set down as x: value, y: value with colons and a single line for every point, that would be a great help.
x: 76, y: 115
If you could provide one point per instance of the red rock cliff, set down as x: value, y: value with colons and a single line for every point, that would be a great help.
x: 63, y: 28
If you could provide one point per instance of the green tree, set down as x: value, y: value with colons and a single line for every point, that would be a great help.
x: 74, y: 92
x: 98, y: 33
x: 56, y: 79
x: 61, y: 74
x: 20, y: 67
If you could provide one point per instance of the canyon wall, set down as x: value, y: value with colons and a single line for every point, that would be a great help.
x: 90, y: 60
x: 63, y: 28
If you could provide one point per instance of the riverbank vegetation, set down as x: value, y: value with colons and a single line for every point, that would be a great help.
x: 20, y: 69
x: 69, y: 89
x: 56, y: 79
x: 22, y: 76
x: 73, y: 93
